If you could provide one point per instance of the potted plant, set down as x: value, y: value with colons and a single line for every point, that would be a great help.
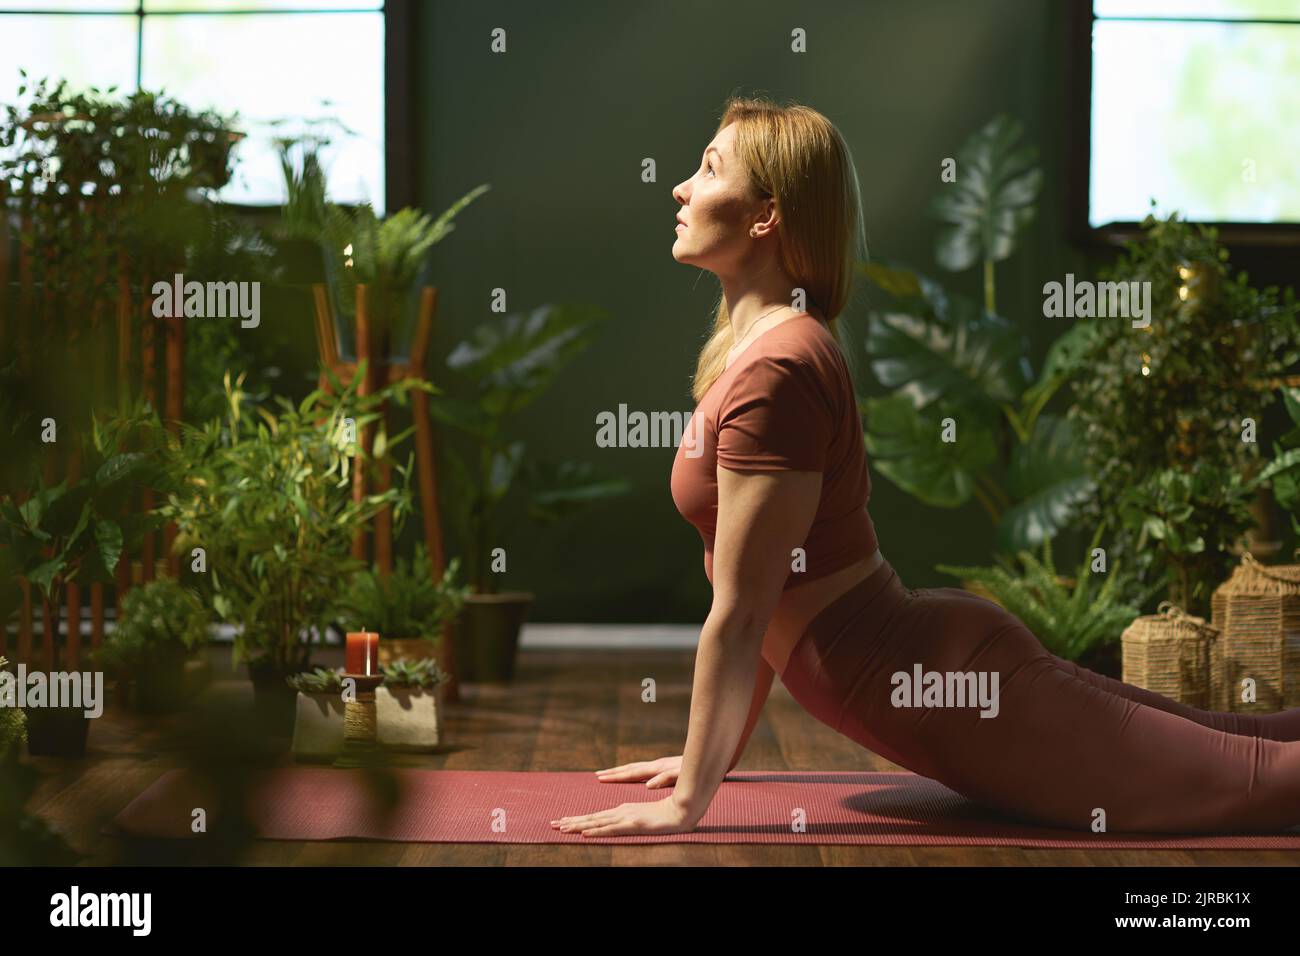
x: 72, y: 531
x: 1074, y: 618
x: 388, y: 256
x: 1161, y: 411
x: 406, y: 607
x: 161, y: 626
x: 267, y: 496
x: 409, y: 705
x: 946, y: 357
x: 318, y: 721
x: 510, y: 363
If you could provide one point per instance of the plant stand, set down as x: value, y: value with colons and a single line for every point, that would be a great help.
x: 380, y: 370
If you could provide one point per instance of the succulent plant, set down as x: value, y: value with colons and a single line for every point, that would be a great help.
x: 422, y: 672
x: 319, y: 681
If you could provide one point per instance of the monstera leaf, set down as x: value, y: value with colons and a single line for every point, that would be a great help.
x: 1048, y: 480
x: 907, y: 447
x: 516, y: 357
x: 558, y: 489
x: 932, y: 347
x: 992, y: 198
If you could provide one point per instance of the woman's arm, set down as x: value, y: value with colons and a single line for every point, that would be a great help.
x: 762, y: 687
x: 762, y: 518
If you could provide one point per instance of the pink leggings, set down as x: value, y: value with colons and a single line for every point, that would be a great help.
x: 1065, y: 747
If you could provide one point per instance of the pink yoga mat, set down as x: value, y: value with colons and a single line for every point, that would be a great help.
x: 462, y: 806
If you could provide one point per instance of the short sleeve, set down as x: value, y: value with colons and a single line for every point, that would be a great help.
x: 775, y: 417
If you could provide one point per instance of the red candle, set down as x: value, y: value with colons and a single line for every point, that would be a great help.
x: 362, y: 653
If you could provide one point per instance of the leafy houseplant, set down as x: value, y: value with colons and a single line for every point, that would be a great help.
x: 409, y: 705
x: 387, y: 256
x: 69, y: 532
x: 110, y: 193
x: 958, y: 370
x: 1173, y: 397
x: 406, y: 607
x: 1076, y: 621
x: 510, y: 363
x: 266, y: 495
x: 162, y: 624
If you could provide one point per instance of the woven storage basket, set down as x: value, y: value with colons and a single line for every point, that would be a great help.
x: 1169, y: 653
x: 1237, y: 581
x: 1258, y: 611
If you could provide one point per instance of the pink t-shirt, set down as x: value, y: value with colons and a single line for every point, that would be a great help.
x: 785, y: 404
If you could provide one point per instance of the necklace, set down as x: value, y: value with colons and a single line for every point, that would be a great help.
x: 753, y: 325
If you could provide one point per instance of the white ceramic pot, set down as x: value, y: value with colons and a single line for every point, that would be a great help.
x: 409, y: 718
x: 318, y: 726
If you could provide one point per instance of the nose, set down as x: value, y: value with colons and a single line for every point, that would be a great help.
x: 679, y: 193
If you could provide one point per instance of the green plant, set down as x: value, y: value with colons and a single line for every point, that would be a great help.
x: 75, y: 531
x: 109, y: 193
x: 1072, y: 620
x: 13, y: 723
x: 266, y: 494
x: 511, y: 363
x: 1286, y: 485
x: 424, y: 673
x: 386, y: 256
x: 405, y: 603
x: 965, y: 418
x: 991, y: 198
x: 319, y: 681
x: 161, y: 620
x: 1163, y: 410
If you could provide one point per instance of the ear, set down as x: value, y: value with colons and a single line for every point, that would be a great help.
x: 767, y: 222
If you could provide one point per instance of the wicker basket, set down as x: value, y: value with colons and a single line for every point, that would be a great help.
x: 1169, y: 653
x: 1258, y: 611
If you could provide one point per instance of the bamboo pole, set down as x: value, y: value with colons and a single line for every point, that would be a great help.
x: 363, y: 388
x: 122, y: 573
x: 149, y: 358
x: 25, y: 623
x: 74, y: 590
x: 175, y: 413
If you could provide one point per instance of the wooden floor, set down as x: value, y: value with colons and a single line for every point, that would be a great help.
x: 566, y: 710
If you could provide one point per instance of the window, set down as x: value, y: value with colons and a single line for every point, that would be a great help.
x: 1195, y: 104
x: 278, y: 64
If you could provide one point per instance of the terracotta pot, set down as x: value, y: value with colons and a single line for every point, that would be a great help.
x: 486, y: 635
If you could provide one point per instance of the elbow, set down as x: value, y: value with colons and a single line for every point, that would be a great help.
x: 738, y: 620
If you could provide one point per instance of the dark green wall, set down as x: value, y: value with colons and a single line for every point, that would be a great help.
x: 559, y: 125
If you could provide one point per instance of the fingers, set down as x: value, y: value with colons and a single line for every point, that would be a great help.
x: 627, y: 771
x: 570, y: 824
x: 662, y: 779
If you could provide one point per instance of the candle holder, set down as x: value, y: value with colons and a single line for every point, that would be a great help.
x: 360, y: 723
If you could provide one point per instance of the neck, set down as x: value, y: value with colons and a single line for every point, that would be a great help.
x: 755, y: 289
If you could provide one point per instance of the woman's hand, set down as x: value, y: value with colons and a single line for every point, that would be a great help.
x: 653, y: 816
x: 656, y: 773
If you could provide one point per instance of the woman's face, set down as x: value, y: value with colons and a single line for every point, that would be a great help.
x: 718, y: 209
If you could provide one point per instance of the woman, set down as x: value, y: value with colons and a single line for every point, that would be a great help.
x: 778, y: 488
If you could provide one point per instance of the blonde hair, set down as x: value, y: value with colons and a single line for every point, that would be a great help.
x: 796, y: 156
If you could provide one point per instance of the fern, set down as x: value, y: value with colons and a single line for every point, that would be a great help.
x: 1068, y: 620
